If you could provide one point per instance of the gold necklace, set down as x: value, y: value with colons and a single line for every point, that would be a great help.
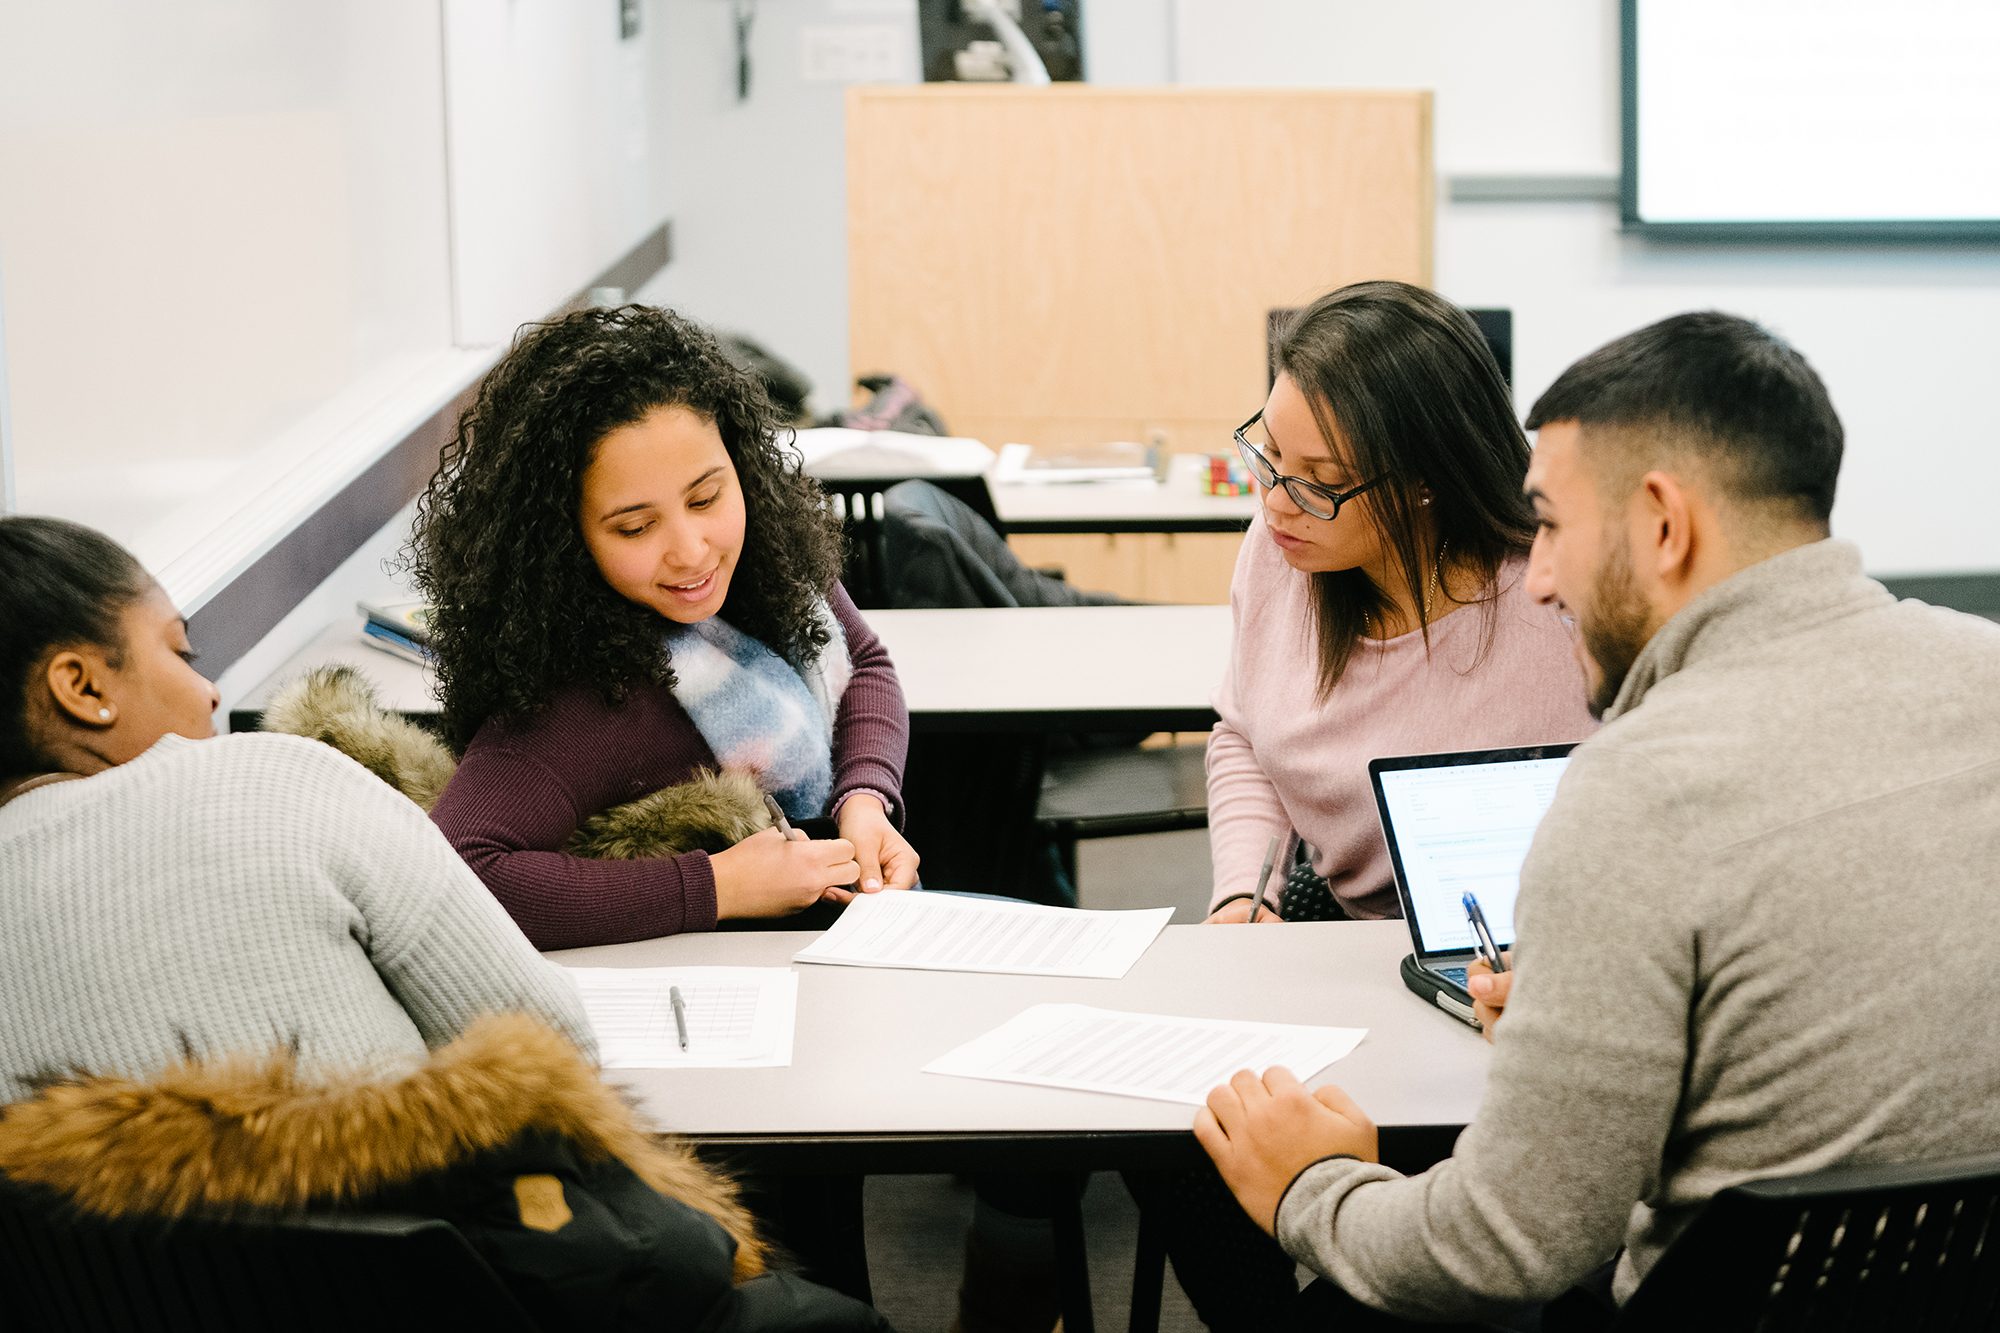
x: 1430, y: 594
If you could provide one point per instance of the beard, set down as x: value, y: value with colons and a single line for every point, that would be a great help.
x: 1614, y: 625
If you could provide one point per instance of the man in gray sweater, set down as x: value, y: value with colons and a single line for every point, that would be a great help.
x: 1753, y: 925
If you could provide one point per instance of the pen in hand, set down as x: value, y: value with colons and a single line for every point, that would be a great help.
x: 1482, y: 937
x: 1263, y: 878
x: 778, y: 816
x: 680, y: 1014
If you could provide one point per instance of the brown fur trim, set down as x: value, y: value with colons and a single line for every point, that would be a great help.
x: 253, y: 1132
x: 710, y: 811
x: 336, y: 706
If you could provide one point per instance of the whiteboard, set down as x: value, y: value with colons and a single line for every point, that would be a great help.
x: 547, y: 130
x: 1815, y: 113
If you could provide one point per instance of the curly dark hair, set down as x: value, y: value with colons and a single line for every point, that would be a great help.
x: 520, y: 609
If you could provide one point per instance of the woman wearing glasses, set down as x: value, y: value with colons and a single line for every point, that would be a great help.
x: 1378, y: 609
x: 1378, y: 601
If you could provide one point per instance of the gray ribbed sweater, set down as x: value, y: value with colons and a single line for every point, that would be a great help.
x: 245, y: 892
x: 1755, y: 931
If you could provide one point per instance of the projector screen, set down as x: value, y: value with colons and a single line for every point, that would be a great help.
x: 1812, y: 118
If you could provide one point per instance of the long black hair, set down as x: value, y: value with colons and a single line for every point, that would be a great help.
x: 62, y: 585
x: 520, y: 608
x: 1404, y: 378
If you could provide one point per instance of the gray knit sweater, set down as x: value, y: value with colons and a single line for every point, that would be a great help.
x: 1755, y: 939
x: 240, y: 893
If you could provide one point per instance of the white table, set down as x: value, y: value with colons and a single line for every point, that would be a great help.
x: 1060, y: 668
x: 854, y: 1099
x: 400, y: 686
x: 1173, y: 505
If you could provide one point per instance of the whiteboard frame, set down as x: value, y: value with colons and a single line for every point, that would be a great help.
x: 1913, y: 231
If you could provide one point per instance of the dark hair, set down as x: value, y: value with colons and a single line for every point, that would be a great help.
x: 1404, y: 378
x: 62, y: 585
x: 1716, y: 386
x: 520, y: 608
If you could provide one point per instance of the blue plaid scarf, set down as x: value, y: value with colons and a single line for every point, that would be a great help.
x: 760, y: 713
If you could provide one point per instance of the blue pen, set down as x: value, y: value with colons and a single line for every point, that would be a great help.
x: 1481, y: 935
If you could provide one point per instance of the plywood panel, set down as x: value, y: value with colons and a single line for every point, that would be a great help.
x: 1189, y: 567
x: 1070, y: 264
x: 1192, y: 567
x: 1093, y: 561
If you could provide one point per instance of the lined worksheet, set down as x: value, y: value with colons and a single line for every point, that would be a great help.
x: 1154, y: 1056
x: 944, y: 933
x: 737, y: 1017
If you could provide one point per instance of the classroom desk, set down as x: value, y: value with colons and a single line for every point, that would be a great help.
x: 854, y: 1101
x: 1058, y: 668
x: 400, y: 686
x: 1067, y: 668
x: 1173, y: 505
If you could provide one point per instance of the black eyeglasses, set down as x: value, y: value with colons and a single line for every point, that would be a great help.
x: 1315, y: 499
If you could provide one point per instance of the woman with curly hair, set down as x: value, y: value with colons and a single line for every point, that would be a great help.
x: 632, y: 585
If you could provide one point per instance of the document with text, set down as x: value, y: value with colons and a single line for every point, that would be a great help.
x: 1153, y: 1056
x: 941, y: 932
x: 737, y: 1017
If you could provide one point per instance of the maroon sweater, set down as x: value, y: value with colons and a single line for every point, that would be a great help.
x: 520, y: 792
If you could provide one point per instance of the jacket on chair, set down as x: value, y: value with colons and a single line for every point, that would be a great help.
x: 507, y: 1133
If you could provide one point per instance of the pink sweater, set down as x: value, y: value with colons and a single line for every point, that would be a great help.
x: 1280, y: 761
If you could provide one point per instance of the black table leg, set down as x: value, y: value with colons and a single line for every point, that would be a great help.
x: 1149, y: 1275
x: 1072, y: 1263
x: 822, y: 1224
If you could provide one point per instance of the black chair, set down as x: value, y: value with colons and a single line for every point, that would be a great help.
x: 1120, y: 792
x: 861, y: 506
x: 1908, y: 1247
x: 375, y: 1273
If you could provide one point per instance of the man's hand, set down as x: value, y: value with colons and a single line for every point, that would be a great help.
x: 1237, y: 912
x: 1489, y: 992
x: 887, y: 859
x: 1263, y: 1131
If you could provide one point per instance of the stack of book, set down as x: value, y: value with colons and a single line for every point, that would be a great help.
x: 399, y: 628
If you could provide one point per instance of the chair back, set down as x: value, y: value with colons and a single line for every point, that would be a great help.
x: 376, y: 1273
x: 860, y: 505
x: 1915, y: 1248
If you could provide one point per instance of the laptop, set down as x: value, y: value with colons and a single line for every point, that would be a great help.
x: 1458, y: 822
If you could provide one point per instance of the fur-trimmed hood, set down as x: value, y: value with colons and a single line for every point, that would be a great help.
x: 336, y: 706
x: 255, y: 1133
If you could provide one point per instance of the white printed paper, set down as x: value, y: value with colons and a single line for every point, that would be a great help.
x: 737, y: 1017
x: 1153, y: 1056
x: 943, y: 932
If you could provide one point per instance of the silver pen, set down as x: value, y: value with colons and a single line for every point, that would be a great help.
x: 778, y: 816
x: 680, y: 1014
x: 1263, y: 878
x: 1482, y: 937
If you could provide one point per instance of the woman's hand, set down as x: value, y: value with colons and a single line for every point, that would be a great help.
x: 1237, y: 911
x: 887, y: 860
x: 764, y: 875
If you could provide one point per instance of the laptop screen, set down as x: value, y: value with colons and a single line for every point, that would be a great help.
x: 1463, y: 821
